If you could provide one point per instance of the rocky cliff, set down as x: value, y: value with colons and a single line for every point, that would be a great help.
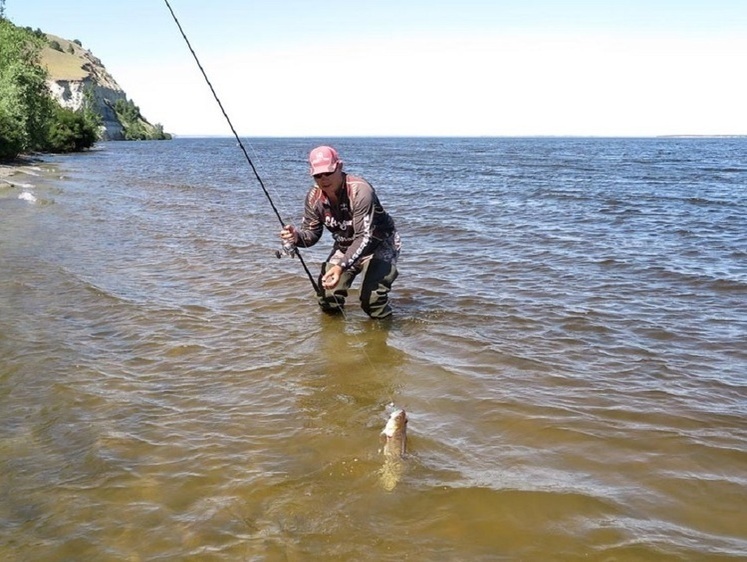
x: 72, y: 71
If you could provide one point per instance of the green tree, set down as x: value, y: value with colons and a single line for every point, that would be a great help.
x: 70, y: 131
x: 11, y: 139
x: 127, y: 111
x: 89, y: 110
x: 134, y: 125
x: 159, y: 134
x: 24, y: 98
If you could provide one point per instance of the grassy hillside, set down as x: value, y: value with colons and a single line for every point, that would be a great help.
x: 64, y: 65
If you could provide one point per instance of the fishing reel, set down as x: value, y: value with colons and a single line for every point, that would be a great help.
x: 289, y: 250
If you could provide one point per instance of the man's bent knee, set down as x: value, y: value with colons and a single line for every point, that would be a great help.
x: 376, y: 286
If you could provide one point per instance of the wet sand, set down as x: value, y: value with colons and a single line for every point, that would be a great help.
x: 29, y: 178
x: 11, y: 172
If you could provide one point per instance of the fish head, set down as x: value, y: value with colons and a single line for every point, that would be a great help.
x: 397, y: 423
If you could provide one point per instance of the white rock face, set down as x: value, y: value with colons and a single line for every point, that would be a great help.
x: 70, y: 94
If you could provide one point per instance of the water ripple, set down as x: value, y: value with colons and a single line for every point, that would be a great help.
x: 568, y: 343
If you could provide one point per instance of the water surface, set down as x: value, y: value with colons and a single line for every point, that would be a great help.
x: 568, y: 341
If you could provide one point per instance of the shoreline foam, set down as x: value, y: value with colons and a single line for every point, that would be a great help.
x: 24, y: 165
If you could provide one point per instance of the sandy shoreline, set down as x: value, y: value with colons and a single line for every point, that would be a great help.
x: 22, y: 165
x: 28, y: 178
x: 24, y: 174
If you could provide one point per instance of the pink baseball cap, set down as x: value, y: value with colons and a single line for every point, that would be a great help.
x: 323, y: 159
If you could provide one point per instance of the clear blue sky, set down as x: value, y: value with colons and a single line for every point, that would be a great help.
x: 420, y: 67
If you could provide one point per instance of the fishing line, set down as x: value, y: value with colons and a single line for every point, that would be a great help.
x: 318, y: 290
x: 294, y: 251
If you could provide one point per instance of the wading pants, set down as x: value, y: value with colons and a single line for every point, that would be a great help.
x: 379, y: 272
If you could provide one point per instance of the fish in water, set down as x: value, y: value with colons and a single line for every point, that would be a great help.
x: 394, y: 438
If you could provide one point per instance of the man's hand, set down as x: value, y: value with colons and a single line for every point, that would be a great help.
x: 332, y: 277
x: 288, y: 234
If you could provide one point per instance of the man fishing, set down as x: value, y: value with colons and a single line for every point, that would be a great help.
x: 365, y: 238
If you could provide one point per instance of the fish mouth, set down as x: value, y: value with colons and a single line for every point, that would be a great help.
x: 396, y: 422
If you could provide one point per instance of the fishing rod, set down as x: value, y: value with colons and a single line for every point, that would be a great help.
x: 288, y: 249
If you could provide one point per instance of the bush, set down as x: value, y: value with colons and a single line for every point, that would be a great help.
x: 127, y: 111
x: 24, y: 97
x: 38, y: 33
x: 159, y: 133
x: 11, y: 136
x: 70, y: 131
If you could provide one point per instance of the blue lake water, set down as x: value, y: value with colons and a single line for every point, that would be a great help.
x: 568, y: 340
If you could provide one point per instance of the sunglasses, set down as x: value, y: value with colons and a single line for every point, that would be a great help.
x: 324, y: 175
